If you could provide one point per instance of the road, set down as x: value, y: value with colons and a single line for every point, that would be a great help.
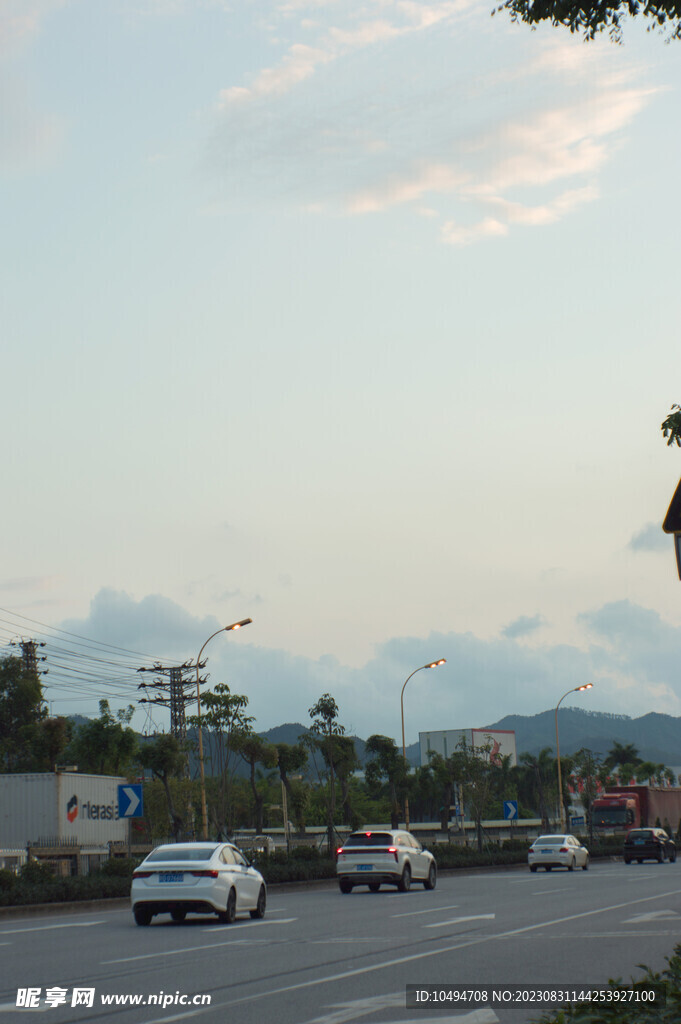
x: 320, y: 957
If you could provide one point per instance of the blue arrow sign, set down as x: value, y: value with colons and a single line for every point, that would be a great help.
x: 510, y: 810
x: 130, y: 803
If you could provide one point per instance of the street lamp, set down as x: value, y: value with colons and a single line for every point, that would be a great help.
x: 204, y: 809
x: 431, y: 664
x: 575, y: 689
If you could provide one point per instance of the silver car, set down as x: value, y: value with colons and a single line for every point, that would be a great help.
x: 560, y: 851
x: 392, y: 857
x: 197, y: 878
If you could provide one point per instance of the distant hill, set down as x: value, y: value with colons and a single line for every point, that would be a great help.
x: 656, y: 737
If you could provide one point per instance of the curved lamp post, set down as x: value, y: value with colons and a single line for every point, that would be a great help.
x: 204, y: 809
x: 575, y: 689
x: 431, y: 664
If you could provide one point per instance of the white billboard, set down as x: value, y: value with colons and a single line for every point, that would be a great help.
x: 499, y: 742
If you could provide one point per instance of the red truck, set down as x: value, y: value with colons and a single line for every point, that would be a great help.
x: 625, y: 807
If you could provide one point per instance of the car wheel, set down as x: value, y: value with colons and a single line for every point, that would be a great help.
x: 627, y: 860
x: 374, y: 886
x: 660, y: 856
x: 585, y: 865
x: 533, y: 867
x: 404, y: 884
x: 345, y: 885
x: 639, y: 860
x: 571, y: 865
x: 142, y: 916
x: 259, y: 911
x: 672, y: 856
x: 548, y: 867
x: 431, y: 880
x: 178, y: 915
x: 228, y: 915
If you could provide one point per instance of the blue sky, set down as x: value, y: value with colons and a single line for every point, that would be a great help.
x: 359, y: 319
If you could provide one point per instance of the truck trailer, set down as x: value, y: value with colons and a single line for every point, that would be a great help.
x: 622, y: 808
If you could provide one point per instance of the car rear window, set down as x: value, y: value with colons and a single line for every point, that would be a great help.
x: 549, y: 841
x: 369, y: 839
x: 182, y: 853
x: 641, y: 833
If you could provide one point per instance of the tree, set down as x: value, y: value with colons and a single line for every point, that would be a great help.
x: 293, y: 757
x: 165, y: 757
x: 21, y: 713
x: 255, y: 750
x: 386, y: 764
x: 538, y: 781
x: 106, y: 745
x: 225, y: 719
x: 589, y: 17
x: 477, y: 771
x: 325, y: 728
x: 346, y: 762
x: 623, y: 755
x: 671, y: 427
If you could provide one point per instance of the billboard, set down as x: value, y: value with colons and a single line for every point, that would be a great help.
x: 500, y: 742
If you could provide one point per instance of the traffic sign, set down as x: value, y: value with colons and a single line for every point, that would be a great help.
x: 578, y: 820
x: 130, y: 803
x: 510, y: 810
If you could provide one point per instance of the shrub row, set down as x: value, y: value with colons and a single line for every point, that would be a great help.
x: 631, y: 1012
x: 36, y: 883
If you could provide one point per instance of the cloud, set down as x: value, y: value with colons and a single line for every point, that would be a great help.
x: 523, y: 626
x: 650, y: 538
x: 632, y: 662
x: 484, y: 154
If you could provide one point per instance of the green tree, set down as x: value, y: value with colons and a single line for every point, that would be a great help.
x: 320, y: 739
x: 346, y: 762
x: 386, y: 766
x: 223, y: 719
x: 166, y: 759
x: 538, y: 782
x: 588, y: 17
x: 671, y: 427
x: 293, y: 758
x: 254, y: 751
x: 51, y: 737
x: 478, y: 774
x: 21, y: 713
x: 106, y: 745
x: 623, y: 754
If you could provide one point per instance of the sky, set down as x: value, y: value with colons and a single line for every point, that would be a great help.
x: 359, y: 319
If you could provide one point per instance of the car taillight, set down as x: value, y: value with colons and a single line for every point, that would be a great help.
x: 563, y: 849
x: 204, y: 874
x: 339, y: 851
x: 142, y: 874
x: 393, y: 850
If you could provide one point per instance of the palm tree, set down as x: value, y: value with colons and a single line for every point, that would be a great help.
x: 538, y: 781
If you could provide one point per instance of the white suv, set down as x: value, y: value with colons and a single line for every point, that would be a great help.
x: 393, y: 857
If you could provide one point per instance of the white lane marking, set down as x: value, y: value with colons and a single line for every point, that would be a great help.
x: 432, y: 910
x: 345, y: 1013
x: 543, y: 892
x: 250, y: 924
x: 48, y: 927
x: 479, y: 940
x: 653, y: 915
x: 8, y: 1007
x: 195, y: 949
x: 461, y: 920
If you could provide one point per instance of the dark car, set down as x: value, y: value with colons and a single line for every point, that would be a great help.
x: 648, y: 844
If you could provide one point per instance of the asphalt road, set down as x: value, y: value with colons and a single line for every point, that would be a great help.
x: 320, y: 957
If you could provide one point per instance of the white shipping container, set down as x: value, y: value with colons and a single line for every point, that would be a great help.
x: 82, y: 809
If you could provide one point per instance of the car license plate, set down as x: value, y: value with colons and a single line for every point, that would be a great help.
x: 171, y: 876
x: 365, y: 867
x: 547, y: 851
x: 639, y: 842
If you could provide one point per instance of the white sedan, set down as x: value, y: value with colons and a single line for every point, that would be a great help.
x: 559, y: 851
x: 197, y: 878
x: 375, y: 857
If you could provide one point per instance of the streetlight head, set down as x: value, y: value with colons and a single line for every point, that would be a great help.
x: 587, y: 686
x: 238, y: 625
x: 434, y: 664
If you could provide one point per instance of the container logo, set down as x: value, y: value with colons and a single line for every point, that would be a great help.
x: 72, y: 808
